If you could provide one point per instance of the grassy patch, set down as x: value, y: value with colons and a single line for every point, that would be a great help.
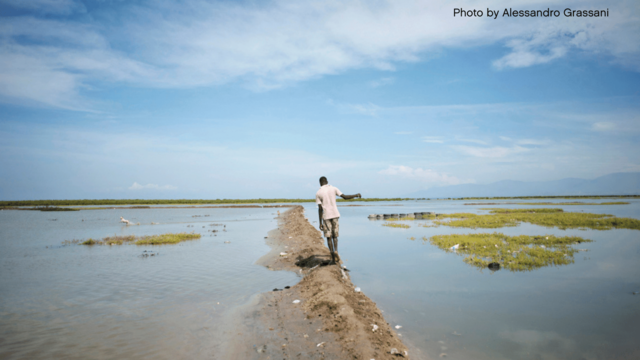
x: 395, y: 225
x: 542, y: 217
x: 514, y: 253
x: 138, y: 240
x: 576, y: 203
x: 167, y: 239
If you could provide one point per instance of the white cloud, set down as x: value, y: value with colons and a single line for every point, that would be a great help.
x: 524, y: 55
x: 475, y: 141
x: 489, y: 152
x: 525, y: 141
x: 364, y: 109
x: 424, y: 175
x: 382, y: 82
x: 270, y: 45
x: 137, y: 186
x: 603, y: 126
x: 432, y: 139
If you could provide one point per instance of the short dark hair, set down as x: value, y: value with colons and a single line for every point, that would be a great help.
x: 323, y: 180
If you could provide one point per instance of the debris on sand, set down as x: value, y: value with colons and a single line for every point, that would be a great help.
x: 328, y: 307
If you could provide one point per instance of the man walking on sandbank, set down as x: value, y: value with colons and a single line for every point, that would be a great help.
x: 329, y: 215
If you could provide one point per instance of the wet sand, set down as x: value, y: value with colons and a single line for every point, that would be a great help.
x: 331, y: 320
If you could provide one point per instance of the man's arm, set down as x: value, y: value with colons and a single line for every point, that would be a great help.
x: 320, y: 216
x: 349, y: 197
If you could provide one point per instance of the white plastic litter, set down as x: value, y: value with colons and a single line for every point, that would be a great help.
x: 296, y: 301
x: 394, y: 351
x: 398, y: 326
x: 375, y: 327
x: 322, y: 343
x: 455, y: 247
x: 357, y: 289
x: 283, y: 254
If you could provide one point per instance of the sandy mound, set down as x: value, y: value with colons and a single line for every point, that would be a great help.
x: 331, y: 321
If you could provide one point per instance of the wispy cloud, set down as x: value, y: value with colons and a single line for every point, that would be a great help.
x: 603, y: 126
x: 525, y: 142
x: 475, y: 141
x: 177, y: 45
x: 137, y: 186
x: 382, y: 82
x: 490, y: 152
x: 362, y: 109
x: 423, y: 175
x: 432, y: 139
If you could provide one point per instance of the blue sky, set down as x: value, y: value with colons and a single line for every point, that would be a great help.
x: 244, y: 99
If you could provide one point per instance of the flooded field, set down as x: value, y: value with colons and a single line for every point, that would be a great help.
x: 446, y: 307
x: 105, y: 302
x: 114, y: 301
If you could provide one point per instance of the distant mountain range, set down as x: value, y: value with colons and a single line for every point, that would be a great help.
x: 612, y: 184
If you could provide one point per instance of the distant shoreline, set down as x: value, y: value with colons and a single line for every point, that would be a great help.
x: 88, y: 202
x: 107, y: 202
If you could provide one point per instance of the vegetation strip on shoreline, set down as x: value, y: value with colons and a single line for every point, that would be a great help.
x: 514, y: 253
x: 88, y: 202
x: 163, y: 239
x: 546, y: 217
x: 557, y: 204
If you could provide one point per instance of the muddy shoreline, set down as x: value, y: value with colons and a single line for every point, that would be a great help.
x: 330, y: 321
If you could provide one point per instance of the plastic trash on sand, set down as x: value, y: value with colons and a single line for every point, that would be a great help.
x: 283, y: 254
x: 375, y: 327
x: 357, y: 289
x: 296, y: 301
x: 319, y: 345
x: 455, y: 247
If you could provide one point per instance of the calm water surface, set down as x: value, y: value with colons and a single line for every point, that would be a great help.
x: 584, y: 310
x: 107, y: 302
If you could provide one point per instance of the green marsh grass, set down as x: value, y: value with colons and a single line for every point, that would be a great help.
x: 394, y: 225
x: 576, y: 203
x: 514, y: 253
x: 167, y: 239
x: 543, y: 217
x: 162, y: 239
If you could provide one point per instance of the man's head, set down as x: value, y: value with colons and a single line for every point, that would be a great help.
x: 323, y: 181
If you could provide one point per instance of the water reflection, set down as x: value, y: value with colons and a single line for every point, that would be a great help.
x: 581, y: 311
x: 112, y: 301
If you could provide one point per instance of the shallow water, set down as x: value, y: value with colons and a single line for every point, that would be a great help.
x: 107, y: 302
x: 584, y: 310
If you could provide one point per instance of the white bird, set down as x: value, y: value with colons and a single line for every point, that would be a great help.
x: 123, y: 220
x: 455, y: 247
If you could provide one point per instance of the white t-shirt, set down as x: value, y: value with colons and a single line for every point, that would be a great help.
x: 326, y: 197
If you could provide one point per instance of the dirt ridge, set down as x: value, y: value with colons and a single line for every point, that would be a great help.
x: 331, y: 321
